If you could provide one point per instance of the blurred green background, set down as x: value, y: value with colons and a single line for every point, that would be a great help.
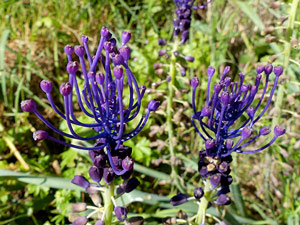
x: 35, y: 177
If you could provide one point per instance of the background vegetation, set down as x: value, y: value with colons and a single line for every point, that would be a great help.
x: 35, y: 177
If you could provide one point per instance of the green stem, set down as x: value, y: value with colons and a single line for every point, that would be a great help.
x: 171, y: 86
x: 108, y: 204
x: 200, y: 218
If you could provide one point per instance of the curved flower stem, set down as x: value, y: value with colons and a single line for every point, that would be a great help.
x: 108, y: 204
x: 200, y: 217
x: 171, y: 85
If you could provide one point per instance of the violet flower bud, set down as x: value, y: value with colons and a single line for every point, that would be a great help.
x: 28, y: 105
x: 126, y: 36
x: 265, y: 131
x: 278, y: 70
x: 95, y: 173
x: 100, y: 78
x: 79, y: 207
x: 153, y: 105
x: 118, y: 72
x: 79, y: 50
x: 81, y: 181
x: 260, y: 69
x: 229, y: 143
x: 268, y: 69
x: 279, y: 130
x: 215, y: 180
x: 108, y: 175
x: 80, y: 221
x: 69, y: 49
x: 65, y: 89
x: 206, y: 111
x: 131, y: 185
x: 209, y: 144
x: 121, y: 213
x: 162, y: 42
x: 194, y: 82
x: 100, y: 222
x: 118, y: 59
x: 127, y: 163
x: 189, y: 58
x: 210, y: 71
x: 105, y: 33
x: 125, y: 52
x: 223, y: 200
x: 46, y: 86
x: 198, y: 193
x: 84, y: 38
x: 246, y: 132
x: 178, y: 199
x: 40, y: 135
x: 72, y: 67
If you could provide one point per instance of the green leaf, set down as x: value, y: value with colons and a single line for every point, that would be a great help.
x: 150, y: 172
x: 249, y: 11
x: 52, y: 182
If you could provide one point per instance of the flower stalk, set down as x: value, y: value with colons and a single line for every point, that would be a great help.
x: 108, y: 204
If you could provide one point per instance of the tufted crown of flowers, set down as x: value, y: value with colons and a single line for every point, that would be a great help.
x: 101, y: 97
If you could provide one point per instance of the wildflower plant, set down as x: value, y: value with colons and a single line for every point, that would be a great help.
x: 101, y: 99
x: 226, y: 124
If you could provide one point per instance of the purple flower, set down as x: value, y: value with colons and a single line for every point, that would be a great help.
x: 230, y: 102
x: 106, y: 75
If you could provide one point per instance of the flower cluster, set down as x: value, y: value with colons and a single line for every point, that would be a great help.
x: 227, y: 125
x: 101, y: 99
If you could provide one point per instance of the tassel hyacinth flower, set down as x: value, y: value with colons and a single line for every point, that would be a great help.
x: 227, y: 124
x: 107, y: 75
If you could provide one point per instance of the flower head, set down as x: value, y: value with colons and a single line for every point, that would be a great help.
x: 223, y: 127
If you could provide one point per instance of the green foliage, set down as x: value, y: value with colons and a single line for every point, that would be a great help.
x: 32, y: 36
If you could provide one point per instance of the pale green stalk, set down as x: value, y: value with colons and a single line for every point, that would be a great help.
x: 108, y: 204
x: 200, y: 217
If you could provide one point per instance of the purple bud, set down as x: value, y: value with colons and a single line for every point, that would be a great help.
x: 131, y: 185
x: 210, y: 143
x: 40, y: 135
x: 226, y: 70
x: 250, y: 112
x: 245, y: 87
x: 279, y: 130
x: 113, y: 42
x: 95, y: 173
x: 176, y: 53
x: 80, y: 221
x: 224, y: 97
x: 229, y: 143
x: 108, y: 175
x: 118, y: 72
x: 217, y: 88
x: 28, y: 105
x: 125, y: 52
x: 65, y: 89
x: 69, y: 49
x: 259, y: 69
x: 246, y: 132
x: 81, y: 181
x: 84, y: 38
x: 118, y: 59
x: 268, y: 69
x: 105, y: 33
x: 203, y: 170
x: 187, y: 13
x: 153, y: 105
x: 189, y: 58
x: 46, y: 86
x: 184, y: 36
x: 265, y: 131
x: 278, y: 70
x: 121, y: 213
x: 100, y: 78
x: 223, y: 200
x: 127, y: 163
x: 223, y: 167
x: 178, y: 199
x: 100, y: 222
x: 107, y: 46
x: 194, y: 82
x: 126, y: 36
x: 226, y: 181
x: 210, y: 71
x: 175, y: 22
x: 100, y: 161
x: 162, y: 52
x: 72, y: 67
x: 206, y: 111
x: 182, y: 71
x: 253, y: 90
x: 162, y: 41
x: 79, y: 50
x: 79, y: 207
x: 215, y: 180
x: 198, y: 192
